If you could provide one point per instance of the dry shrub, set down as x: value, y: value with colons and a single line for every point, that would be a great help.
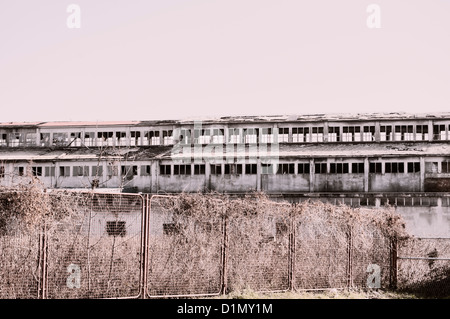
x: 426, y: 277
x: 185, y: 244
x: 189, y: 235
x: 255, y: 232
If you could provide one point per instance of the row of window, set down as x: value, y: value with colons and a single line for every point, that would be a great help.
x: 50, y: 171
x: 304, y: 134
x: 236, y: 169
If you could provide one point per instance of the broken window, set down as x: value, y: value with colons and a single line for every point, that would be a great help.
x: 50, y: 171
x: 333, y: 134
x: 368, y: 133
x: 234, y: 135
x: 152, y: 138
x: 30, y: 139
x: 251, y: 169
x: 320, y: 168
x: 283, y: 134
x: 216, y: 169
x: 233, y: 169
x: 266, y: 135
x: 135, y: 138
x: 421, y: 133
x: 182, y: 169
x: 36, y: 171
x: 167, y: 137
x: 145, y: 170
x: 128, y: 171
x: 112, y: 170
x: 413, y: 167
x: 303, y: 168
x: 404, y: 133
x: 316, y: 135
x: 251, y: 135
x: 445, y: 167
x: 44, y: 139
x: 351, y: 133
x: 97, y: 170
x: 3, y: 138
x: 299, y: 134
x: 15, y: 139
x: 89, y: 139
x: 75, y: 139
x: 285, y: 169
x: 121, y: 138
x: 338, y: 168
x: 439, y: 132
x: 60, y: 139
x: 20, y: 170
x: 357, y: 168
x: 394, y: 167
x: 218, y: 136
x: 2, y: 171
x: 105, y: 138
x: 80, y: 171
x: 202, y: 136
x: 64, y: 171
x: 164, y: 169
x: 199, y: 169
x: 386, y: 133
x: 268, y: 169
x: 375, y: 168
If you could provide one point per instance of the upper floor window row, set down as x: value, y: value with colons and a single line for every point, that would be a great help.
x: 250, y: 135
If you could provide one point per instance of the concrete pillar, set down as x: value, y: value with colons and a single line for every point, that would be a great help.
x: 422, y: 173
x: 311, y: 175
x: 366, y: 175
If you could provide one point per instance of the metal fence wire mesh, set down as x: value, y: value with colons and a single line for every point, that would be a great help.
x: 424, y: 266
x: 185, y: 248
x: 20, y: 271
x: 95, y: 251
x: 116, y: 245
x: 258, y: 248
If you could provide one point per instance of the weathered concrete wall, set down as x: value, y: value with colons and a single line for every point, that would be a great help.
x: 233, y: 183
x: 285, y: 183
x: 426, y: 221
x: 181, y: 183
x: 394, y: 182
x: 339, y: 183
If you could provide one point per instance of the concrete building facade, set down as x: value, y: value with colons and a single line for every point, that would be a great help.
x: 370, y: 158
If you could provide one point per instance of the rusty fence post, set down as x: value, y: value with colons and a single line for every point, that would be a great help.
x: 393, y: 263
x: 224, y: 279
x: 291, y: 274
x: 146, y: 202
x: 349, y: 259
x: 42, y: 263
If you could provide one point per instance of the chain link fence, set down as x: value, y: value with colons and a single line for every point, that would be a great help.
x: 105, y: 245
x: 424, y: 266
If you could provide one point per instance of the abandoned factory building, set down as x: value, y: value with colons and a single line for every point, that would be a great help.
x: 358, y: 159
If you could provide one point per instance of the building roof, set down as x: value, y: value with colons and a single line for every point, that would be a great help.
x: 240, y: 119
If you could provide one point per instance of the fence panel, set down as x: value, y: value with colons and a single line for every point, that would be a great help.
x: 185, y: 250
x: 321, y: 258
x: 371, y: 262
x: 258, y: 249
x: 95, y: 250
x: 20, y: 264
x: 424, y: 266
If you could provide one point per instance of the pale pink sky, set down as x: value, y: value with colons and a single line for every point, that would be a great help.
x: 165, y: 59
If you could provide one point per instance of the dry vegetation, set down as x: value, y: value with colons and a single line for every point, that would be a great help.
x: 198, y: 244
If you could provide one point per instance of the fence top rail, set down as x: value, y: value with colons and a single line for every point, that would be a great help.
x: 422, y: 258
